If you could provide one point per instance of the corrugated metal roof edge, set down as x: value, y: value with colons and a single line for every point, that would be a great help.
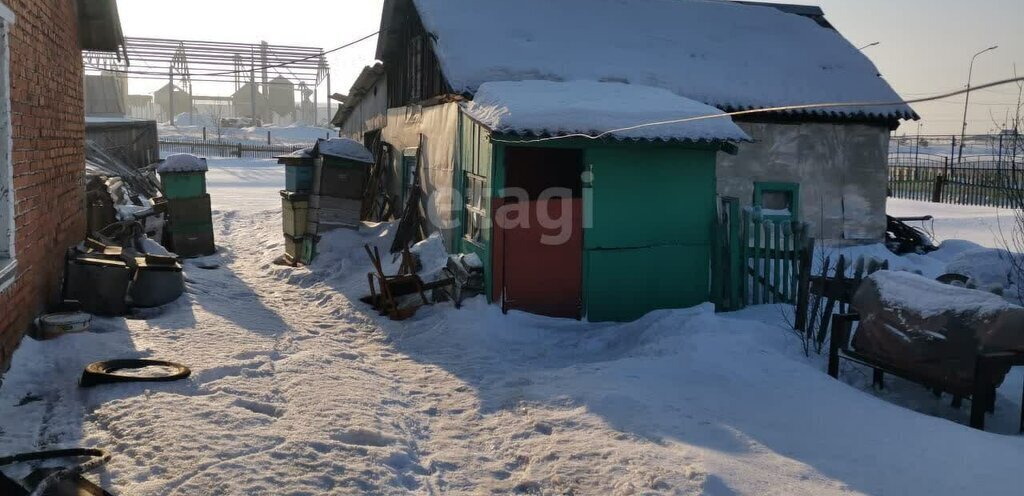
x: 544, y: 133
x: 825, y: 113
x: 818, y: 113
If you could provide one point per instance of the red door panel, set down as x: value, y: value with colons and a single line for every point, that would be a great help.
x: 536, y: 274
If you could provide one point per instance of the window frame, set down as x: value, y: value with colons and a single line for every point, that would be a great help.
x: 793, y: 189
x: 474, y: 208
x: 8, y: 258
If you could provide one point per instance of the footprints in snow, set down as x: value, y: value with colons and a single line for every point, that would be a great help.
x: 259, y: 407
x: 364, y: 437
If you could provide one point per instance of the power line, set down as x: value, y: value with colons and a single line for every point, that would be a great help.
x: 786, y: 108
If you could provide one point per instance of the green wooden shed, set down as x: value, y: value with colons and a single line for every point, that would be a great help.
x: 580, y: 209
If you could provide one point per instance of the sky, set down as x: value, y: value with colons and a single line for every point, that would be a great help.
x: 925, y: 46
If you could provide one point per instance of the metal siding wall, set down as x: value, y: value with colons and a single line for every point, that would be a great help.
x: 439, y: 126
x: 648, y: 243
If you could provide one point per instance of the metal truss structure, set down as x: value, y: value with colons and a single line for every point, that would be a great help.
x: 183, y: 62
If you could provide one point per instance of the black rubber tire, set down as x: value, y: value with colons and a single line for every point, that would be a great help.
x: 951, y: 278
x: 105, y: 372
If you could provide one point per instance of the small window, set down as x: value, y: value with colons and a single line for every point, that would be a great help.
x: 408, y: 172
x: 7, y: 265
x: 778, y: 201
x: 475, y: 193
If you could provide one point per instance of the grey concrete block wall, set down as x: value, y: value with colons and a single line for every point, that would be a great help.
x: 841, y: 170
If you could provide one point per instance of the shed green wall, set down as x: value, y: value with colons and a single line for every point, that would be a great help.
x: 476, y: 156
x: 649, y: 215
x: 647, y: 243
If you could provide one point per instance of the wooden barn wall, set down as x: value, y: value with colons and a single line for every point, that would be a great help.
x: 370, y: 114
x: 413, y: 71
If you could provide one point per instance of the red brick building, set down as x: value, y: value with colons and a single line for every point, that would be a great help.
x: 42, y: 157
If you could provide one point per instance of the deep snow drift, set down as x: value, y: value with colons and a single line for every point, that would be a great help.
x: 298, y: 389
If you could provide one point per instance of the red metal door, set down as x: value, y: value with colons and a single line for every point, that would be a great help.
x: 542, y: 266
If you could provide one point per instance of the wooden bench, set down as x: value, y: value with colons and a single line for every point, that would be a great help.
x: 982, y: 397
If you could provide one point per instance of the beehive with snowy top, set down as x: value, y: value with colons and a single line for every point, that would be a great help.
x: 183, y: 176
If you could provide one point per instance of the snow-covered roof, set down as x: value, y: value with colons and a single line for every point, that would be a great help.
x: 344, y: 148
x: 302, y: 153
x: 729, y: 55
x: 183, y: 162
x: 543, y: 108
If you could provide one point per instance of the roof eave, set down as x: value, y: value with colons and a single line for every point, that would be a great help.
x: 527, y: 135
x: 99, y: 26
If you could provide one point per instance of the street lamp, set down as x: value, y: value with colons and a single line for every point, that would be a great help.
x: 967, y: 101
x: 869, y: 45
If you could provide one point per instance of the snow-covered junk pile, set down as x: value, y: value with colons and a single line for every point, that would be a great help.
x: 426, y: 275
x: 133, y: 214
x: 956, y: 340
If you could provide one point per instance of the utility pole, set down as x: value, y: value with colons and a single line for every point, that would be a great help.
x: 967, y: 101
x: 252, y: 95
x: 170, y: 94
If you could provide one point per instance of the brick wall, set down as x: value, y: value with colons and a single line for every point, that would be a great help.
x: 48, y: 157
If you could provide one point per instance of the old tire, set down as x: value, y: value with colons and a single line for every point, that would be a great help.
x: 105, y: 372
x: 953, y: 279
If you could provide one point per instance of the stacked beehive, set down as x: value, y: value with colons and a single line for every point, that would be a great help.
x: 339, y: 179
x: 299, y: 169
x: 189, y: 230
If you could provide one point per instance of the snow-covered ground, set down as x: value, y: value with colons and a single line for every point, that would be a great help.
x: 299, y: 389
x: 279, y: 135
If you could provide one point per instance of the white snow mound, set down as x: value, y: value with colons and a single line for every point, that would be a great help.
x: 904, y: 289
x: 345, y: 148
x: 303, y: 153
x: 183, y: 162
x: 593, y: 108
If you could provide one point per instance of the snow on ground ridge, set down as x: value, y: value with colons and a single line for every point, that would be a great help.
x: 298, y: 388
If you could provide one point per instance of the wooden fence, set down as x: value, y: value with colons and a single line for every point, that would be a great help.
x: 984, y: 181
x: 758, y: 260
x: 828, y: 293
x: 208, y: 148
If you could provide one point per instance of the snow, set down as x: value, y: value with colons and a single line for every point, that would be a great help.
x: 294, y: 135
x: 298, y: 388
x: 345, y: 148
x: 182, y: 162
x: 303, y: 153
x: 244, y: 184
x: 560, y: 108
x: 92, y: 119
x: 983, y: 226
x: 904, y: 290
x: 720, y: 53
x: 200, y: 120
